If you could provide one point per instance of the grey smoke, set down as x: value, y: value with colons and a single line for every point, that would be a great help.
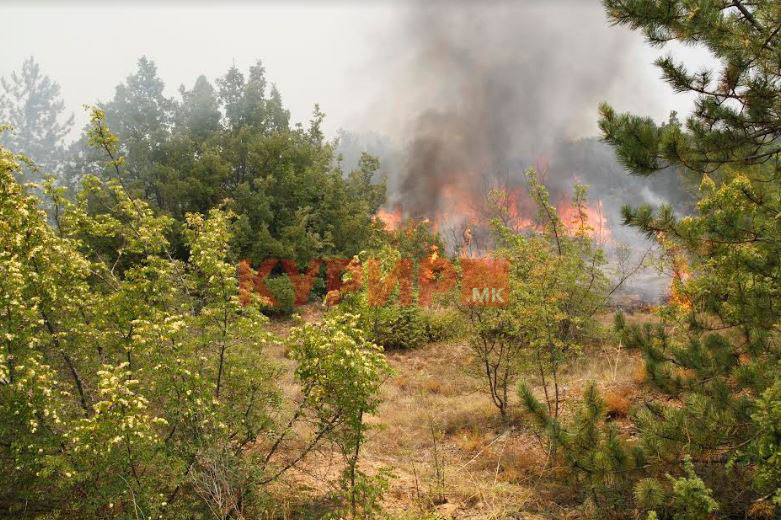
x: 485, y: 91
x: 493, y: 88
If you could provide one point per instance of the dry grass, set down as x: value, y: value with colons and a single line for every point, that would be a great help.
x: 435, y: 419
x: 616, y: 403
x: 639, y: 374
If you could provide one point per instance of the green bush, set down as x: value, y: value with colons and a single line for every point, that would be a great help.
x: 441, y: 324
x: 282, y: 289
x: 691, y: 499
x: 395, y: 327
x: 649, y: 494
x: 391, y: 325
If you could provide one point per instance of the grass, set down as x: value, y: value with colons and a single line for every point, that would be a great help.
x: 450, y: 453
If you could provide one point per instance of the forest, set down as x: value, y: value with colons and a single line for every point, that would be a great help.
x: 145, y: 372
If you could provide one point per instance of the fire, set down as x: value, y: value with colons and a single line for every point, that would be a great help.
x: 461, y: 208
x: 513, y: 205
x: 456, y: 206
x: 681, y: 274
x: 594, y: 224
x: 391, y: 219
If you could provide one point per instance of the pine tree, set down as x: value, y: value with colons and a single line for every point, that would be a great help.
x: 601, y: 463
x: 715, y: 358
x: 199, y: 111
x: 31, y: 104
x: 736, y: 117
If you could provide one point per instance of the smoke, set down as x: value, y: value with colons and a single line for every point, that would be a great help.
x: 490, y: 89
x: 482, y: 91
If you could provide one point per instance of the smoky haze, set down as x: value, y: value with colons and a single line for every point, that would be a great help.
x: 485, y: 92
x: 493, y: 88
x: 453, y: 97
x: 482, y: 92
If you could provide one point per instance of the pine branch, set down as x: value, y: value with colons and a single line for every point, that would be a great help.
x: 747, y: 15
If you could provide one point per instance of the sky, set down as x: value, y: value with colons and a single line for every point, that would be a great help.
x: 346, y: 56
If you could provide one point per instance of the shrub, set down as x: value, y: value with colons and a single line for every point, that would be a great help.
x: 619, y: 321
x: 391, y: 325
x: 395, y: 327
x: 284, y: 293
x: 649, y: 494
x: 691, y: 499
x: 558, y: 284
x: 616, y: 403
x: 344, y: 371
x: 441, y: 324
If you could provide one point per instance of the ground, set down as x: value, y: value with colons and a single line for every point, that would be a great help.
x: 450, y: 453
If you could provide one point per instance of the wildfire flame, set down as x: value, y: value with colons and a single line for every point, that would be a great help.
x: 458, y: 206
x: 593, y: 224
x: 391, y: 219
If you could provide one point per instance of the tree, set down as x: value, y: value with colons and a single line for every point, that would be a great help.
x: 557, y: 284
x: 341, y: 373
x: 715, y: 358
x: 141, y: 115
x: 602, y: 465
x: 30, y: 102
x: 247, y: 104
x: 199, y: 112
x: 233, y: 145
x: 735, y: 120
x: 133, y: 384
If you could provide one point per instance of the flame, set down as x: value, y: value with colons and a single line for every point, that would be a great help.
x: 513, y: 204
x: 680, y: 268
x: 462, y: 209
x: 390, y: 219
x: 594, y: 224
x: 456, y: 205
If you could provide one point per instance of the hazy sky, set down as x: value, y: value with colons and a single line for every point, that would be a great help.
x: 343, y: 55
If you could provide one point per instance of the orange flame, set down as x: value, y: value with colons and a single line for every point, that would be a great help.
x: 678, y: 293
x: 391, y: 219
x: 460, y: 205
x: 592, y: 223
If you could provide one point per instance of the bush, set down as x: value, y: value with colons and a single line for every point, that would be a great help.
x: 616, y: 403
x: 691, y: 499
x: 441, y: 324
x: 391, y: 325
x: 649, y: 494
x: 395, y: 327
x: 282, y: 289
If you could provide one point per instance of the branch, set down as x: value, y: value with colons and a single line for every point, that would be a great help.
x: 747, y: 14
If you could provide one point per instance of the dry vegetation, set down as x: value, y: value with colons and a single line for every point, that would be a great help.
x: 450, y: 453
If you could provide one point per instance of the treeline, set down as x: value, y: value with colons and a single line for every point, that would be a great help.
x: 228, y: 145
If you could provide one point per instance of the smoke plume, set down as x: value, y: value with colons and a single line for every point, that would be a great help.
x: 483, y: 91
x: 491, y: 89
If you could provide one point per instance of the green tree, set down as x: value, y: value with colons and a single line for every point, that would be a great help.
x: 557, y: 284
x: 341, y: 372
x: 715, y: 358
x: 141, y: 115
x: 735, y: 120
x: 133, y: 384
x: 199, y: 112
x: 234, y: 145
x: 599, y: 461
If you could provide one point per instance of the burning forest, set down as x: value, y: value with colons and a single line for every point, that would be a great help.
x: 390, y: 260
